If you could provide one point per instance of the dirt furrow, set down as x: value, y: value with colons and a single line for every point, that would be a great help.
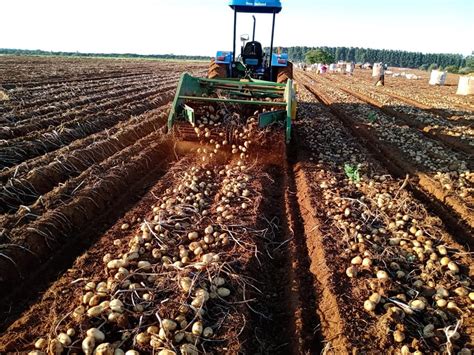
x: 463, y: 144
x: 399, y: 164
x: 354, y: 213
x: 33, y: 245
x: 23, y: 129
x: 24, y: 191
x: 24, y: 98
x: 16, y: 152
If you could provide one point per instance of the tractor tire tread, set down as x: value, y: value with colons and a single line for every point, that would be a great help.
x: 285, y: 73
x: 216, y: 70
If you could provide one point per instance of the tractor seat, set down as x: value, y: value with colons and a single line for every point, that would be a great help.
x: 253, y: 54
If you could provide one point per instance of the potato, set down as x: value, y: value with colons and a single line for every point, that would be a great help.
x: 95, y: 311
x: 41, y: 343
x: 188, y: 349
x: 398, y: 336
x: 369, y: 305
x: 223, y: 292
x: 168, y: 325
x: 104, y: 349
x: 64, y: 339
x: 197, y: 328
x: 96, y: 334
x: 116, y: 306
x: 207, y: 332
x: 165, y: 352
x: 142, y: 339
x: 116, y: 263
x: 88, y: 345
x: 185, y: 283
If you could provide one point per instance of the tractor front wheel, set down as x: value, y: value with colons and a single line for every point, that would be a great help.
x: 216, y: 70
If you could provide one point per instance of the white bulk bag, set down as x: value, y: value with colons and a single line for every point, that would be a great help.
x: 437, y: 77
x: 411, y: 76
x: 377, y: 70
x: 465, y: 85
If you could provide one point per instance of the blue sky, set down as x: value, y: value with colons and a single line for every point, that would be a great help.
x: 204, y: 26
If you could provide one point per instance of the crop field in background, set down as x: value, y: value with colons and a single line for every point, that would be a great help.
x: 114, y: 238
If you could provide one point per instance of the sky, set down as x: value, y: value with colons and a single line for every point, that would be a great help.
x: 201, y: 27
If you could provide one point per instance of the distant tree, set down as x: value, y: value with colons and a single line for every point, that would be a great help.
x: 470, y: 61
x: 350, y: 57
x: 466, y: 70
x: 423, y: 67
x: 319, y: 56
x: 452, y: 69
x: 432, y: 66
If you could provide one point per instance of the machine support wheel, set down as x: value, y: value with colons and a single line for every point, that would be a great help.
x: 285, y: 73
x: 216, y: 70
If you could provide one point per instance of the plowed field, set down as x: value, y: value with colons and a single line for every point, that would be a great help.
x: 116, y: 238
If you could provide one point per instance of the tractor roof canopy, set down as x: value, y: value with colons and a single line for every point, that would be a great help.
x: 256, y: 6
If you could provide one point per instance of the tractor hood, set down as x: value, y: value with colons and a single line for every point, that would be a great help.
x: 256, y: 6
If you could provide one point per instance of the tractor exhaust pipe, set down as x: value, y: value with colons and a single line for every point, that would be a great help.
x: 254, y: 24
x: 271, y: 47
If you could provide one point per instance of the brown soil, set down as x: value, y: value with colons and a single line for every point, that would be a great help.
x: 427, y: 185
x: 431, y: 132
x: 286, y: 271
x: 59, y: 298
x: 42, y: 179
x: 30, y: 247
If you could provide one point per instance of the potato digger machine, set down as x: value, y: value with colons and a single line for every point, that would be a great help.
x: 254, y: 85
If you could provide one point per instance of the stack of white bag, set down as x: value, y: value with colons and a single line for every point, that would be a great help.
x: 437, y: 77
x: 466, y: 85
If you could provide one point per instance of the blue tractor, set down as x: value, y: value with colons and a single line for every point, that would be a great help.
x: 252, y: 82
x: 252, y: 62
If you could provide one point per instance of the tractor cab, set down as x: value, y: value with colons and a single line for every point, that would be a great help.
x: 252, y: 62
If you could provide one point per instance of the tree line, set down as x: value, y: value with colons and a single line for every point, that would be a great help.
x: 395, y: 58
x: 451, y: 62
x: 38, y: 52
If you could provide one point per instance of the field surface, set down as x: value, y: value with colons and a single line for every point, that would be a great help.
x: 116, y: 238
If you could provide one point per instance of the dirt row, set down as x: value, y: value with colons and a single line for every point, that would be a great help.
x: 70, y: 111
x: 402, y: 92
x: 455, y: 134
x: 36, y: 72
x: 363, y: 228
x: 14, y: 152
x: 240, y: 238
x: 20, y: 170
x: 441, y: 173
x: 22, y: 191
x: 57, y: 107
x: 442, y: 99
x: 24, y: 98
x: 66, y: 209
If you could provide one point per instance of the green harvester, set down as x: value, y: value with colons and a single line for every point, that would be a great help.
x: 279, y: 99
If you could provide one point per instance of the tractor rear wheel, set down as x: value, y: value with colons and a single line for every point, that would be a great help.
x: 216, y: 70
x: 285, y: 73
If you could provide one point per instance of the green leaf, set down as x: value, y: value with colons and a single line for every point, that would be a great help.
x: 352, y: 172
x: 372, y: 117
